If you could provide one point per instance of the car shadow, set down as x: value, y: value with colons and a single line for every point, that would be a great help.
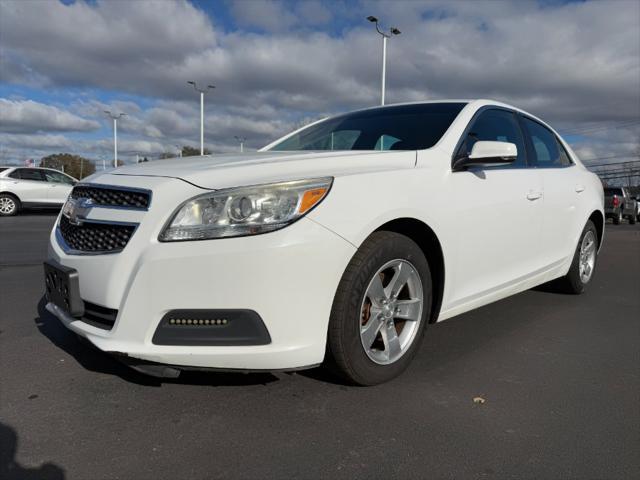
x: 94, y: 360
x: 445, y: 343
x: 10, y: 469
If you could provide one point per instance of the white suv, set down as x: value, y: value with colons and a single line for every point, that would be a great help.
x: 339, y: 242
x: 30, y: 187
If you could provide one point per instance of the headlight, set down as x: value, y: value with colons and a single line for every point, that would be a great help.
x: 243, y: 211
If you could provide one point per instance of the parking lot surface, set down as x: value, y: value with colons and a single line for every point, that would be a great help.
x: 559, y: 375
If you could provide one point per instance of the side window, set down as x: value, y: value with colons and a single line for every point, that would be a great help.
x: 56, y: 177
x: 28, y: 174
x: 565, y: 159
x: 497, y: 126
x: 548, y: 152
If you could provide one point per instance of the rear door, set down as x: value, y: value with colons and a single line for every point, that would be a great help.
x: 29, y: 185
x: 498, y: 211
x: 563, y: 190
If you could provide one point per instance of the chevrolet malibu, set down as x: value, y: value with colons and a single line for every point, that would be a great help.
x: 338, y: 243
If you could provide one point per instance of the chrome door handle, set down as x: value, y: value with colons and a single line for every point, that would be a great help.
x: 579, y: 188
x: 534, y: 195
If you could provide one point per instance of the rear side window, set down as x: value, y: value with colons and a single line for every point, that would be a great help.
x: 28, y: 174
x: 547, y: 150
x: 497, y: 126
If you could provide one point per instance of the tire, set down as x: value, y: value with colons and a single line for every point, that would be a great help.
x: 376, y: 263
x: 9, y: 205
x: 632, y: 219
x: 574, y: 282
x: 618, y: 218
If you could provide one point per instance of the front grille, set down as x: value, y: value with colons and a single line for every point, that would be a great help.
x: 113, y: 196
x: 100, y: 317
x: 95, y: 237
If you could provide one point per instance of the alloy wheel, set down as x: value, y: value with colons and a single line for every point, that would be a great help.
x: 391, y: 311
x: 587, y: 257
x: 7, y: 205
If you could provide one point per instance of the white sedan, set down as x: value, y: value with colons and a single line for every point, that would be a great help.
x: 338, y: 243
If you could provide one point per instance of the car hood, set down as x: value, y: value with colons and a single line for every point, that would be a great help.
x: 229, y: 170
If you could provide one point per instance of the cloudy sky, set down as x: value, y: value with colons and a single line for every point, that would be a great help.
x: 277, y: 64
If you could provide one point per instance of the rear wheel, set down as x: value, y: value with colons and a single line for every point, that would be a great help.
x: 380, y: 310
x: 584, y: 262
x: 632, y: 219
x: 9, y: 205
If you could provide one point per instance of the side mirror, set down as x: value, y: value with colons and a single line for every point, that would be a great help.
x: 487, y: 154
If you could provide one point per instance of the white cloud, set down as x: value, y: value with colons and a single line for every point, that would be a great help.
x: 27, y: 116
x: 35, y: 141
x: 270, y: 15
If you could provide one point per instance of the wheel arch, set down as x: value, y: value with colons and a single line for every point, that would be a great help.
x: 597, y: 217
x: 428, y: 241
x: 6, y: 192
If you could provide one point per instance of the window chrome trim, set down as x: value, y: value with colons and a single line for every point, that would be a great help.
x: 71, y: 251
x: 116, y: 187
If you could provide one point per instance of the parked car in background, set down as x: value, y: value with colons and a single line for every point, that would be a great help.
x: 619, y: 204
x: 32, y: 187
x: 336, y: 243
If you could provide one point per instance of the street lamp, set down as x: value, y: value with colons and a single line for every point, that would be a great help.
x: 202, y: 92
x: 241, y: 140
x: 385, y: 36
x: 115, y: 135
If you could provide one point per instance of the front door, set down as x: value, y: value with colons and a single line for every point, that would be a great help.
x: 59, y: 186
x: 499, y: 212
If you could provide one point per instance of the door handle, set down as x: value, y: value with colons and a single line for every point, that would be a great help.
x: 534, y: 195
x: 579, y: 188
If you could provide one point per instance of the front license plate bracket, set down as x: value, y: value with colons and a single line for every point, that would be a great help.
x: 62, y: 286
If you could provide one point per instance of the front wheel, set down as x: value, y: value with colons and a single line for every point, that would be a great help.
x: 380, y: 310
x: 584, y: 262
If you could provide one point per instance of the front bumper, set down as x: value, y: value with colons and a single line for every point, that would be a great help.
x: 289, y: 277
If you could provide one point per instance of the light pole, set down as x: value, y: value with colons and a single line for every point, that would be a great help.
x: 115, y: 135
x: 202, y: 92
x: 385, y: 36
x: 241, y: 140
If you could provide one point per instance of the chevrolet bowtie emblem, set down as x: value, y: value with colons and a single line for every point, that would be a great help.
x: 77, y: 209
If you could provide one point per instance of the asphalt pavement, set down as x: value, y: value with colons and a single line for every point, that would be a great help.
x: 560, y: 376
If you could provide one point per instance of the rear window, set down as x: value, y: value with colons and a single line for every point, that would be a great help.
x: 399, y: 127
x: 612, y: 191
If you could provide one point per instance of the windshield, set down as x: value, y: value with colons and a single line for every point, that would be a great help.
x: 400, y: 127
